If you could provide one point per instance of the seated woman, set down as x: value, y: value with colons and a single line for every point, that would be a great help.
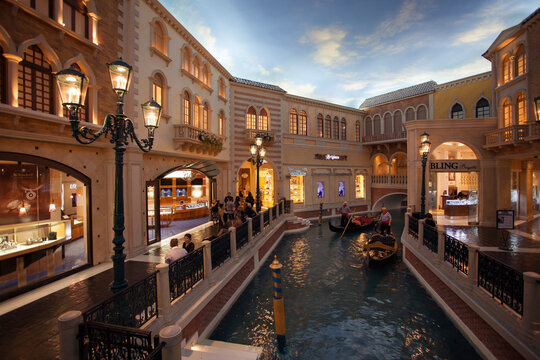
x: 428, y: 220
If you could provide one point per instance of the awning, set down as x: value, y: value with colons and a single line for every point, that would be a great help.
x: 207, y: 167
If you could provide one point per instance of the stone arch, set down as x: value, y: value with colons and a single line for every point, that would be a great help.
x: 44, y: 46
x: 390, y: 201
x: 388, y: 123
x: 421, y: 112
x: 85, y: 67
x: 457, y: 102
x: 435, y: 146
x: 6, y: 42
x: 398, y: 163
x: 397, y: 117
x: 379, y: 164
x: 410, y: 114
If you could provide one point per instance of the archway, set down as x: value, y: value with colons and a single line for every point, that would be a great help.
x: 391, y: 201
x: 380, y: 165
x: 268, y: 184
x: 398, y: 164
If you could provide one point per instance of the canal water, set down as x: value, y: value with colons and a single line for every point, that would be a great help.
x: 338, y: 308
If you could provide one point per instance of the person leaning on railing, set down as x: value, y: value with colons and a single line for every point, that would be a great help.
x: 188, y: 245
x: 428, y: 220
x: 175, y: 253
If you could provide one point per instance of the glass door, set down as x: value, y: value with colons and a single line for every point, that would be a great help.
x: 152, y: 212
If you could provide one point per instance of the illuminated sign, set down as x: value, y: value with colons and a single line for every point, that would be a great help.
x: 330, y: 157
x: 454, y: 165
x: 73, y: 186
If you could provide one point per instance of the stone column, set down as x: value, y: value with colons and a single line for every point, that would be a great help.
x: 207, y: 259
x: 473, y: 265
x: 172, y: 336
x: 59, y: 11
x: 68, y: 325
x: 163, y: 290
x: 528, y: 175
x: 12, y: 85
x: 232, y: 239
x: 531, y: 299
x: 250, y: 230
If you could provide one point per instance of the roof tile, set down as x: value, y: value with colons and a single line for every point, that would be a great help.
x: 399, y: 94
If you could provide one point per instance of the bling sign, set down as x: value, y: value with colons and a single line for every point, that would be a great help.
x: 454, y: 165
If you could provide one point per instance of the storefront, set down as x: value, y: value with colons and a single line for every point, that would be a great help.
x: 267, y: 182
x: 43, y: 221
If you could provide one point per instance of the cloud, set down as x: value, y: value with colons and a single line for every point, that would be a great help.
x: 356, y: 85
x: 329, y: 47
x: 263, y: 71
x: 276, y: 69
x: 479, y: 32
x: 305, y: 90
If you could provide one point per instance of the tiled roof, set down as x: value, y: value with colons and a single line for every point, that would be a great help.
x: 258, y: 84
x: 399, y: 94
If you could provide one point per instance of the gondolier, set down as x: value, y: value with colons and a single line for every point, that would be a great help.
x: 345, y: 211
x: 386, y: 221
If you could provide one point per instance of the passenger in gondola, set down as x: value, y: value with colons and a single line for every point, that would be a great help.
x: 345, y: 211
x: 386, y: 221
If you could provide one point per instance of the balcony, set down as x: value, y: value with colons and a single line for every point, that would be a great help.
x: 191, y: 138
x: 268, y: 136
x: 513, y: 135
x: 393, y: 181
x: 383, y: 138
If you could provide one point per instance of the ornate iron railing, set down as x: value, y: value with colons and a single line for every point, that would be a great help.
x: 184, y: 273
x: 456, y: 253
x: 281, y: 208
x: 501, y: 281
x: 274, y: 212
x: 288, y: 206
x: 133, y: 306
x: 431, y: 238
x: 242, y: 235
x: 413, y: 226
x: 114, y: 342
x: 266, y: 217
x: 221, y: 250
x: 256, y: 224
x: 156, y: 354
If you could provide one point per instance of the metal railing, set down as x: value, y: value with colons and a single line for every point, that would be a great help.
x: 501, y: 281
x: 266, y: 218
x: 431, y: 238
x: 389, y: 180
x: 456, y: 253
x: 133, y: 306
x: 413, y: 226
x: 220, y: 249
x: 274, y: 212
x: 242, y: 235
x: 185, y: 272
x: 288, y: 206
x: 256, y: 224
x: 281, y: 208
x: 401, y: 135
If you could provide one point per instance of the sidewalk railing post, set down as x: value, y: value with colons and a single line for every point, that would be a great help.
x: 232, y: 239
x: 172, y: 336
x: 406, y: 226
x: 473, y: 265
x: 250, y: 230
x: 68, y: 324
x: 163, y: 290
x: 261, y: 218
x: 440, y: 246
x: 207, y: 258
x: 531, y: 299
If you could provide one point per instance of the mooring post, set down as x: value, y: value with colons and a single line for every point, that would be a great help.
x: 279, y: 310
x: 320, y: 212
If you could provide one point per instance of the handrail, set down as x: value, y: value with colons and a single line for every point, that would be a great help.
x: 456, y: 253
x: 431, y: 238
x: 241, y: 235
x: 256, y: 224
x: 413, y: 226
x: 220, y: 249
x: 185, y: 273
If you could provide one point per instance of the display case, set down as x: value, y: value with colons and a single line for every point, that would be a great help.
x: 297, y: 189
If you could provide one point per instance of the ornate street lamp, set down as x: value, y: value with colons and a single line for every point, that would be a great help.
x: 72, y: 86
x: 257, y: 156
x: 424, y: 152
x: 537, y: 108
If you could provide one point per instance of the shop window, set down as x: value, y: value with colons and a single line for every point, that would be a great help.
x: 398, y: 123
x: 335, y: 128
x: 293, y: 122
x: 328, y: 127
x: 357, y: 130
x: 369, y: 127
x: 187, y: 108
x: 482, y: 108
x: 360, y: 187
x: 320, y: 189
x: 263, y: 120
x: 521, y: 107
x: 341, y: 188
x: 377, y: 125
x: 506, y: 112
x: 421, y: 112
x: 320, y: 126
x: 521, y: 61
x: 186, y: 59
x: 83, y: 110
x: 221, y: 123
x: 302, y: 123
x: 205, y: 116
x: 387, y: 123
x: 159, y: 38
x: 76, y: 17
x: 297, y: 189
x: 343, y: 129
x: 506, y: 69
x: 35, y: 81
x: 457, y: 111
x: 251, y: 118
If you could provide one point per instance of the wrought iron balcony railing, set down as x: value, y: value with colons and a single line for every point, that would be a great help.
x: 513, y: 135
x: 191, y: 138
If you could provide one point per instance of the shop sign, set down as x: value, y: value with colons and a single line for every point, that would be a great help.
x: 330, y: 157
x: 298, y: 171
x: 454, y: 165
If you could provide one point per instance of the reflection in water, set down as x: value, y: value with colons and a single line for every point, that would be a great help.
x: 336, y: 308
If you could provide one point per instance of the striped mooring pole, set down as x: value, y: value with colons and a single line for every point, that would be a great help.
x: 279, y: 311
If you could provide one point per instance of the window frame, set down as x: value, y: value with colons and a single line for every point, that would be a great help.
x: 47, y: 75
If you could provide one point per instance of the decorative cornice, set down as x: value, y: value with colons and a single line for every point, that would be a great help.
x: 324, y: 104
x: 465, y: 81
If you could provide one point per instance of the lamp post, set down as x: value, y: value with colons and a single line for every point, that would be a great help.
x: 424, y: 152
x: 257, y: 156
x: 72, y: 87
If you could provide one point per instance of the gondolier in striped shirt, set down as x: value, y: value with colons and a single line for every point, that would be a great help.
x: 345, y: 211
x: 386, y: 221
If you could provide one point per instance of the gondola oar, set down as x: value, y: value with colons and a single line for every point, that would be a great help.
x: 350, y: 218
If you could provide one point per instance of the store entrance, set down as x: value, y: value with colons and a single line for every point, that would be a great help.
x: 247, y: 182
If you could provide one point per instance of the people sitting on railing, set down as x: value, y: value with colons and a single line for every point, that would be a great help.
x: 188, y: 245
x: 175, y: 253
x: 238, y: 219
x: 428, y: 220
x: 249, y: 211
x: 386, y: 221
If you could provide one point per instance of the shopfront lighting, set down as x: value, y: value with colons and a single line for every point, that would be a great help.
x: 52, y: 207
x: 537, y: 108
x: 72, y: 86
x: 424, y: 148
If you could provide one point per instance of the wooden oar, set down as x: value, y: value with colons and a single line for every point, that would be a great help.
x: 346, y: 226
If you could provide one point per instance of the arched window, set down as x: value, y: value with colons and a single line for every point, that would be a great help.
x: 35, y: 81
x: 302, y: 123
x: 421, y: 112
x: 263, y: 120
x: 409, y: 115
x: 221, y: 129
x: 357, y: 131
x: 328, y: 127
x: 507, y: 121
x: 158, y: 87
x: 206, y: 74
x: 506, y: 69
x: 521, y: 108
x: 457, y: 111
x: 521, y: 61
x: 187, y: 108
x: 3, y: 78
x: 196, y: 67
x: 482, y: 108
x: 222, y: 88
x: 387, y: 123
x: 197, y: 112
x: 377, y: 125
x: 398, y: 123
x: 343, y: 129
x: 159, y: 39
x: 293, y: 122
x: 335, y: 128
x: 205, y: 116
x: 251, y: 118
x: 186, y: 59
x: 84, y: 114
x: 369, y: 126
x: 320, y: 126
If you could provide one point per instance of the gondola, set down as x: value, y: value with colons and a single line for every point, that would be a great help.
x: 363, y: 224
x: 380, y: 249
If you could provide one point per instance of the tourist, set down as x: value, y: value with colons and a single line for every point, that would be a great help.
x: 249, y: 211
x: 228, y: 197
x: 386, y: 221
x: 237, y: 202
x: 175, y: 253
x: 345, y: 211
x: 221, y: 214
x: 188, y: 245
x: 238, y: 219
x: 250, y: 199
x: 229, y: 209
x: 214, y: 212
x: 428, y: 220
